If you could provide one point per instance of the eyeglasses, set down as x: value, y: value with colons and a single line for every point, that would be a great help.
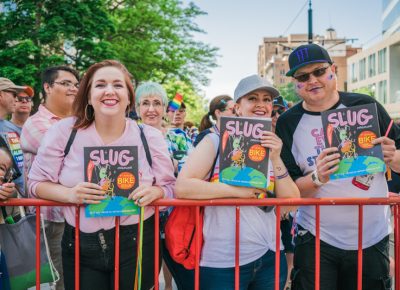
x: 280, y: 111
x: 23, y: 99
x: 68, y: 85
x: 317, y: 73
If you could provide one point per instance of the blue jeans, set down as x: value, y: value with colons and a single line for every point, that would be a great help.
x: 257, y: 275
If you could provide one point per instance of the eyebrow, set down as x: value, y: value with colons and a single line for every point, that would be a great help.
x: 316, y: 68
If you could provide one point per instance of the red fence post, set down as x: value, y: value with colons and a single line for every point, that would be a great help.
x: 77, y: 248
x: 317, y: 247
x: 360, y: 249
x: 199, y: 232
x: 156, y: 245
x: 278, y: 246
x: 38, y: 225
x: 237, y: 248
x: 116, y: 255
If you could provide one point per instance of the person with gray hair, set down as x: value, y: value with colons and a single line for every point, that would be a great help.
x: 151, y: 102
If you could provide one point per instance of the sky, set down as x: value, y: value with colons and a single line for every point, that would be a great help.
x: 237, y: 28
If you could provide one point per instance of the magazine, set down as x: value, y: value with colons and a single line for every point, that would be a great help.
x: 243, y: 161
x: 115, y: 169
x: 352, y: 130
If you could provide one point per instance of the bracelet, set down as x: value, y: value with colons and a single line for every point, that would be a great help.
x: 283, y: 175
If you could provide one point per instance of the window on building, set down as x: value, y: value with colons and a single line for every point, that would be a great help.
x: 353, y: 72
x: 371, y: 65
x: 382, y: 61
x: 382, y: 94
x: 362, y: 68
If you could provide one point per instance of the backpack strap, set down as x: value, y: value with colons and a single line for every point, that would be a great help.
x: 213, y: 166
x: 145, y: 145
x: 70, y: 141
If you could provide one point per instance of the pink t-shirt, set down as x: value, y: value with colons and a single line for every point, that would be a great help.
x: 50, y: 165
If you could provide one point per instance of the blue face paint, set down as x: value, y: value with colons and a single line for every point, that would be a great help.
x: 330, y: 77
x: 299, y: 86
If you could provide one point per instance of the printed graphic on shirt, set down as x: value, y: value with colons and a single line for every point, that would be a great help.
x: 244, y: 162
x: 352, y: 131
x: 115, y: 169
x: 317, y: 135
x: 14, y: 144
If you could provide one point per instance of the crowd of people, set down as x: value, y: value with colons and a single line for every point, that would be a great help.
x: 41, y: 156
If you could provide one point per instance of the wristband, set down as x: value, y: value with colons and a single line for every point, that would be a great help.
x: 283, y: 175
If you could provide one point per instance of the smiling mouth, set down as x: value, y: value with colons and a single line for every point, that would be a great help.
x: 259, y: 113
x: 314, y: 89
x: 109, y: 102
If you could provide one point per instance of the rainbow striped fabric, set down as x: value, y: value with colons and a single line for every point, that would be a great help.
x: 176, y: 102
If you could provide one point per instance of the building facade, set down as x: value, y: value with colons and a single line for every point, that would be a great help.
x: 377, y: 68
x: 274, y: 52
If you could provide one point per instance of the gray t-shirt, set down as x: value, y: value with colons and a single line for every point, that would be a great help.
x: 257, y: 230
x: 303, y: 138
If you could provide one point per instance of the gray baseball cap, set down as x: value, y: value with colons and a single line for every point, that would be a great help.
x: 251, y: 84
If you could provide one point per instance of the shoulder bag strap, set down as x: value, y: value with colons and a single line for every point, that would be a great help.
x: 145, y: 145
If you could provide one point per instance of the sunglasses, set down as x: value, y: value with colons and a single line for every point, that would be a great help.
x: 317, y: 73
x: 22, y: 99
x: 280, y: 111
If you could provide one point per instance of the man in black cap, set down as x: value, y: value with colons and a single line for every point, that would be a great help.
x: 310, y: 164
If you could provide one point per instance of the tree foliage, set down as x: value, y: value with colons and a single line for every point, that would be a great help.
x: 288, y: 92
x: 153, y: 38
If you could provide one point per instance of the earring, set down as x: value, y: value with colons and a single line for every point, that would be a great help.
x: 88, y: 116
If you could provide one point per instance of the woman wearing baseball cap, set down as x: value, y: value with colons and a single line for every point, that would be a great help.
x: 253, y: 97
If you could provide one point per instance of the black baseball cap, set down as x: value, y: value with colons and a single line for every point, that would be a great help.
x: 307, y: 54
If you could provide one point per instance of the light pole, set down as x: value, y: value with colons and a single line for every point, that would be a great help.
x: 310, y: 33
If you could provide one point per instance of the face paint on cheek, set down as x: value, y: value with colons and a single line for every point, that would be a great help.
x: 299, y: 86
x: 330, y: 77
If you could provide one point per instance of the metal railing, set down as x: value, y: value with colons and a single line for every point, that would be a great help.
x: 277, y: 202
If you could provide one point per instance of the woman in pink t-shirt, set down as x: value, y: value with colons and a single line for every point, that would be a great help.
x: 105, y: 95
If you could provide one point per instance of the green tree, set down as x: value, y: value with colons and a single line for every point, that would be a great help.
x: 195, y: 104
x: 154, y: 39
x: 366, y: 91
x: 288, y: 92
x: 38, y: 34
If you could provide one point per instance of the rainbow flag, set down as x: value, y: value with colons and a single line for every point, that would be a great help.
x: 176, y: 102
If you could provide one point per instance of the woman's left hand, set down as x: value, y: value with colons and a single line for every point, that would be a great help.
x: 273, y: 142
x: 146, y: 194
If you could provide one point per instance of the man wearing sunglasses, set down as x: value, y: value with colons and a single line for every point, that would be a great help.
x: 23, y: 107
x: 8, y: 131
x: 310, y: 165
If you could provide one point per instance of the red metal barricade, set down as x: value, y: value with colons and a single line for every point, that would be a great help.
x: 361, y: 202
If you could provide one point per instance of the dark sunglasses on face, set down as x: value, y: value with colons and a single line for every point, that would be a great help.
x: 280, y: 111
x: 23, y: 99
x: 317, y: 73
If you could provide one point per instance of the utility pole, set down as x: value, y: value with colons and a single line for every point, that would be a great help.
x: 310, y: 33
